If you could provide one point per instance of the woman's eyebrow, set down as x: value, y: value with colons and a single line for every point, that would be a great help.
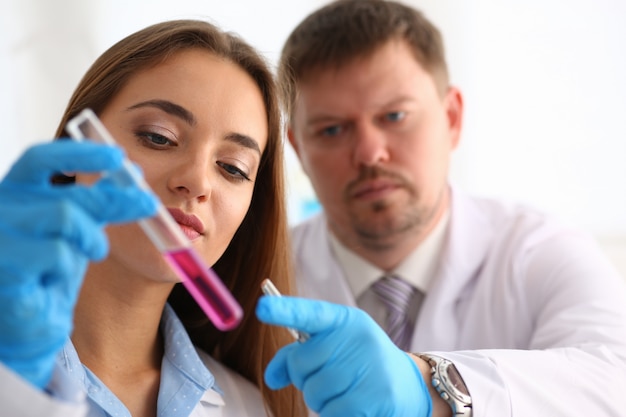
x: 184, y: 114
x: 168, y: 107
x: 244, y: 140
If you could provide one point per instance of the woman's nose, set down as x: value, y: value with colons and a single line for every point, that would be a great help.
x: 370, y: 145
x: 191, y: 179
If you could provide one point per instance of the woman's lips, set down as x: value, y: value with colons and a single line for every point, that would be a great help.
x: 191, y: 225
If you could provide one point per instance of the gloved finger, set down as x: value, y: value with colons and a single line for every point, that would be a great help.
x: 37, y: 261
x: 66, y: 277
x: 50, y: 219
x: 31, y: 315
x: 333, y: 362
x: 105, y: 200
x: 35, y: 323
x: 277, y: 373
x: 291, y: 366
x: 46, y: 283
x: 325, y: 385
x: 337, y: 406
x: 311, y: 316
x: 114, y: 204
x: 40, y: 340
x: 40, y: 162
x: 108, y: 202
x: 325, y: 350
x: 18, y: 303
x: 38, y: 372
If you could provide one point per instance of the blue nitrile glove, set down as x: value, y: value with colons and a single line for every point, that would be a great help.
x: 348, y: 367
x: 48, y: 233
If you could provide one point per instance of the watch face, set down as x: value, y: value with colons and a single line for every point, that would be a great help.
x: 456, y: 380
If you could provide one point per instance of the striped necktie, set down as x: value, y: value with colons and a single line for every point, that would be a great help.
x: 396, y: 295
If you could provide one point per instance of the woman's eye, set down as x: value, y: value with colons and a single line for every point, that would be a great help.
x: 154, y: 139
x: 234, y: 172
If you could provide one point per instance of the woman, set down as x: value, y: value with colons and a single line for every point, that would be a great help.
x: 195, y: 108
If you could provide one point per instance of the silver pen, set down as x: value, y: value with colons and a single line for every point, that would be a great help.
x: 269, y: 288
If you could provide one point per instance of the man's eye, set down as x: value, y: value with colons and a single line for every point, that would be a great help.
x: 331, y: 130
x: 395, y: 116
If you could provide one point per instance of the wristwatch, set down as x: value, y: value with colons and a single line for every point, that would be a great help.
x: 449, y: 384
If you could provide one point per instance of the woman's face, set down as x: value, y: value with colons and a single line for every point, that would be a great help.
x: 197, y: 126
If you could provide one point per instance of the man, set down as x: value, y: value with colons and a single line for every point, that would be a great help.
x: 529, y: 315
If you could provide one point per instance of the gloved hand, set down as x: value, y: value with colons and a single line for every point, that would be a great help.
x: 348, y: 367
x: 48, y: 233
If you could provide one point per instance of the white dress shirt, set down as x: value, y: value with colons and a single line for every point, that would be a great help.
x: 418, y: 269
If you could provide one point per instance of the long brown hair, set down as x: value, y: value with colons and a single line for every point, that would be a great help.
x: 343, y: 30
x: 260, y: 247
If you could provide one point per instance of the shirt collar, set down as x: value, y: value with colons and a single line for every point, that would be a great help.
x: 180, y: 351
x: 418, y: 268
x: 185, y: 380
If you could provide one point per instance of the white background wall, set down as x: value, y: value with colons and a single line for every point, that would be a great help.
x: 544, y: 83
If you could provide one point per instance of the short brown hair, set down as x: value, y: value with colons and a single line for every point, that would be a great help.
x: 347, y: 29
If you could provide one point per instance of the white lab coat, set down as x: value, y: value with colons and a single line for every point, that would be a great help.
x: 531, y: 312
x: 241, y: 398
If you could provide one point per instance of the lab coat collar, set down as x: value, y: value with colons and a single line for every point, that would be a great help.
x: 308, y: 251
x: 467, y: 243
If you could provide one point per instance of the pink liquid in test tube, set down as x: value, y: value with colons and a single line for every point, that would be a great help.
x: 206, y: 288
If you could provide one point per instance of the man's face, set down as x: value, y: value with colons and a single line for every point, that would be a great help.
x: 375, y: 138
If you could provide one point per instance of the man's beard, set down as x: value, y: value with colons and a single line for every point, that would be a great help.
x: 381, y: 226
x: 384, y: 232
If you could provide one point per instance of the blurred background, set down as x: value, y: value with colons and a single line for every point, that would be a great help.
x: 544, y: 84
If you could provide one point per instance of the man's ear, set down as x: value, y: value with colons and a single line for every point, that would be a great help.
x: 454, y: 112
x: 292, y: 140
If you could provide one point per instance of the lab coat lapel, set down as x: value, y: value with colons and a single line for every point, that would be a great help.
x: 325, y: 279
x: 467, y: 243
